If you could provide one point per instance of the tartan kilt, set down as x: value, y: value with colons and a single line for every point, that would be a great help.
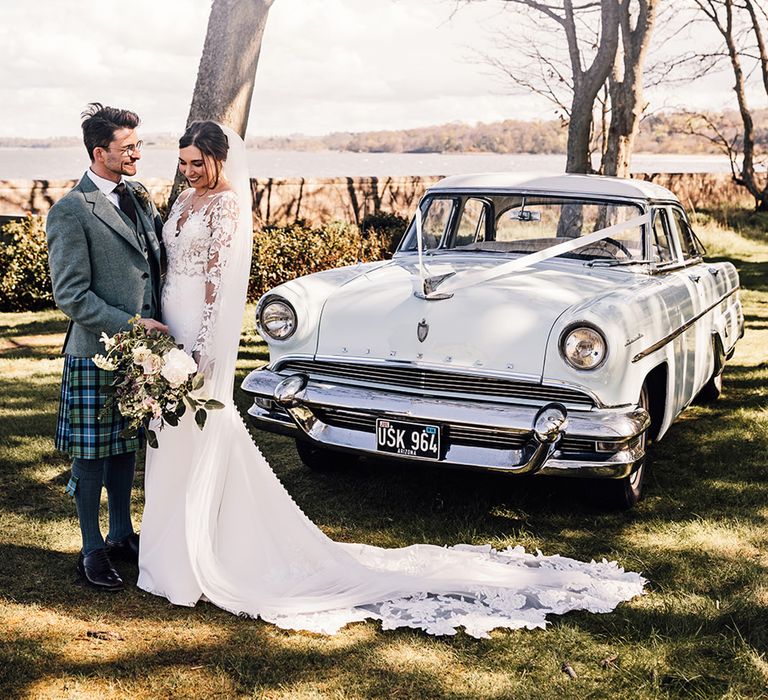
x: 78, y: 429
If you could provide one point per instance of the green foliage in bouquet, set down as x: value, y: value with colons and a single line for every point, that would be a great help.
x: 25, y: 282
x: 154, y: 380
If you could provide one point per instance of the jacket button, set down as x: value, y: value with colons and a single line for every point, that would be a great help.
x: 144, y: 275
x: 146, y: 307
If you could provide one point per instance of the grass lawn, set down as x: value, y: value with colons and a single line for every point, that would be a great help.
x: 700, y: 536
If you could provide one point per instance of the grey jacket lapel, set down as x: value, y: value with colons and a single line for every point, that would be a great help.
x: 146, y: 225
x: 107, y: 212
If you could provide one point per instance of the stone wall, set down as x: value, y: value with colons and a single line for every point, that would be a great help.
x: 318, y: 201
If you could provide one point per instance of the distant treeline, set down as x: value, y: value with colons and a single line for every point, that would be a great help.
x: 659, y: 133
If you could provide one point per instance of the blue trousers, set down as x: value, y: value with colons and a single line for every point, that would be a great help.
x: 116, y: 474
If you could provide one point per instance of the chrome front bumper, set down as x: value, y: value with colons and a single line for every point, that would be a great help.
x: 608, y: 443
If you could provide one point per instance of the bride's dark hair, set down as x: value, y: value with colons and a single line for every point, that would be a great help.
x: 212, y: 142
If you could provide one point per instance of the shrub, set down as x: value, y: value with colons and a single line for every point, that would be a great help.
x: 282, y: 253
x: 387, y: 226
x: 25, y: 283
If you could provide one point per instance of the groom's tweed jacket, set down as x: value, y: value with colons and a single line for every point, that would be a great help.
x: 101, y: 274
x: 104, y: 271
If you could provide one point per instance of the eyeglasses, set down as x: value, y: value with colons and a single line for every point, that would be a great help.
x: 130, y: 150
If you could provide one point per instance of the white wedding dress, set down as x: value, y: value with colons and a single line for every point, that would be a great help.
x: 219, y: 526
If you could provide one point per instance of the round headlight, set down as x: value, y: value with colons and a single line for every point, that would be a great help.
x: 277, y: 319
x: 584, y: 347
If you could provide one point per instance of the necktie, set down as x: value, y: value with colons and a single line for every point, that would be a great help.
x: 126, y: 202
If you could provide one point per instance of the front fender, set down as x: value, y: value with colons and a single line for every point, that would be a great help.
x: 629, y: 320
x: 308, y: 295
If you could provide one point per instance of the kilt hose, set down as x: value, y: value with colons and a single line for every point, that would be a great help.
x: 79, y: 431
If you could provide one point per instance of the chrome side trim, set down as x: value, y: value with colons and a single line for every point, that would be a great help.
x: 679, y: 331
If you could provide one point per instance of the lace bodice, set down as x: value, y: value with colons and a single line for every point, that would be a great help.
x: 197, y: 240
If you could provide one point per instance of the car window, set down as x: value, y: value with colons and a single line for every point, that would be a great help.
x: 688, y: 242
x: 661, y: 250
x: 537, y: 223
x: 521, y: 224
x: 436, y: 214
x: 471, y: 228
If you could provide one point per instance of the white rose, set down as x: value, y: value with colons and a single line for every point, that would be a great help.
x: 152, y: 364
x: 177, y: 366
x: 140, y: 354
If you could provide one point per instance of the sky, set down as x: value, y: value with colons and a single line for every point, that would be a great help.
x: 325, y: 66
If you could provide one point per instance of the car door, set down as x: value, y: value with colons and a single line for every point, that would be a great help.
x: 680, y: 305
x: 702, y: 286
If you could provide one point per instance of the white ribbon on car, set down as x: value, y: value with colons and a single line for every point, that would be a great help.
x: 479, y: 276
x: 419, y: 240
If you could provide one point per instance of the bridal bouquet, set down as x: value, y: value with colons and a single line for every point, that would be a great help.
x: 154, y: 379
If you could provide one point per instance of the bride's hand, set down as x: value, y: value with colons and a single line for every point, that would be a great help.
x: 151, y: 325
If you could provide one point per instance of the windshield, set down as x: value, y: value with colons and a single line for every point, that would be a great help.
x: 525, y: 224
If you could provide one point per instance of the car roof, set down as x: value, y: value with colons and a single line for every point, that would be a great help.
x: 593, y: 185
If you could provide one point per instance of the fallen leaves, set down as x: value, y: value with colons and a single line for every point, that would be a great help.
x: 567, y: 669
x: 105, y: 635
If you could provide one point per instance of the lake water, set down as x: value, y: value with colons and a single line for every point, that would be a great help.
x: 69, y: 163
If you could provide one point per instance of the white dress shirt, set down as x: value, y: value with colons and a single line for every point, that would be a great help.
x: 106, y: 186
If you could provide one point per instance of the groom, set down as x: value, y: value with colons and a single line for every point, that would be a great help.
x: 104, y: 256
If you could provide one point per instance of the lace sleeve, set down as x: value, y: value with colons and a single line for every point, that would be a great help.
x: 222, y: 220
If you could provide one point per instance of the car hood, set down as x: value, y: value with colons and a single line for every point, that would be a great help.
x: 499, y: 325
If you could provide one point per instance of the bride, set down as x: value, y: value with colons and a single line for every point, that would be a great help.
x: 219, y: 526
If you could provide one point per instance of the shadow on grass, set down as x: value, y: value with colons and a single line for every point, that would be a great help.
x: 752, y: 275
x: 252, y: 654
x: 252, y: 661
x: 54, y: 326
x: 749, y: 223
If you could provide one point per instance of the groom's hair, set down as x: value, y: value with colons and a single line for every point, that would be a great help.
x: 100, y: 124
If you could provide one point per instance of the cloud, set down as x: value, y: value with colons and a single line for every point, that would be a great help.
x: 325, y: 65
x: 58, y: 55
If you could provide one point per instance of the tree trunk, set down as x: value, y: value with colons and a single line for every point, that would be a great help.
x: 578, y: 158
x: 227, y: 71
x: 747, y: 178
x: 626, y: 86
x: 228, y: 65
x: 587, y: 83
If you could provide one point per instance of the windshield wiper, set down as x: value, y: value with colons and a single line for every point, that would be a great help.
x: 612, y: 262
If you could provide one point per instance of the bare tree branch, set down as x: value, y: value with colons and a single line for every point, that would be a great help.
x: 725, y: 17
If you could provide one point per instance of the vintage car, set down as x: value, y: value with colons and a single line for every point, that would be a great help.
x: 549, y: 325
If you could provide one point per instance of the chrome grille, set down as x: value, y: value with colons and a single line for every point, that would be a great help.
x: 434, y: 382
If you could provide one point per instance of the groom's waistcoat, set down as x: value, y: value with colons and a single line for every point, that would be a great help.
x: 103, y: 268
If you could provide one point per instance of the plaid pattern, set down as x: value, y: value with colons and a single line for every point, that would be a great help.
x: 78, y: 429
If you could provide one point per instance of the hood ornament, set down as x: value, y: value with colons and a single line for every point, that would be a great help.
x: 422, y: 330
x: 430, y: 285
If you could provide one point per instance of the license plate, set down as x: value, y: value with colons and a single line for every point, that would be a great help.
x: 408, y: 439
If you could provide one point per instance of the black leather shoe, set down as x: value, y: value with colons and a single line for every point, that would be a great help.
x: 126, y: 549
x: 98, y: 571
